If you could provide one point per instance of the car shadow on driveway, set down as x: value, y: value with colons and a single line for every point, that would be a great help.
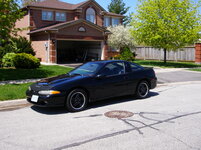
x: 93, y: 105
x: 49, y: 110
x: 118, y: 100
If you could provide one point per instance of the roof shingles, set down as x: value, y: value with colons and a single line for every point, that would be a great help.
x: 56, y: 4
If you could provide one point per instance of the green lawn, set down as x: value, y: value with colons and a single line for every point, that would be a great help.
x: 42, y: 72
x: 13, y: 91
x: 169, y: 64
x: 199, y: 69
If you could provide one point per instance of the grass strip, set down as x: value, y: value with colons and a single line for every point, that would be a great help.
x: 42, y: 72
x: 169, y: 64
x: 13, y: 91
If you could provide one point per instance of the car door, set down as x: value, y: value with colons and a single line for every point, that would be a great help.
x: 112, y: 82
x: 135, y: 74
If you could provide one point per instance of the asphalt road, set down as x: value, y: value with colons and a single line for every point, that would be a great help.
x: 177, y: 75
x: 168, y: 120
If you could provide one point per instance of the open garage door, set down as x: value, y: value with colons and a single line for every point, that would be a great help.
x: 78, y: 51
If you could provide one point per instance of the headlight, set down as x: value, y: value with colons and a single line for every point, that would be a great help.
x: 29, y: 88
x: 49, y: 92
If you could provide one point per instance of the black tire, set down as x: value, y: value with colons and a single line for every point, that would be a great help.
x: 77, y: 100
x: 142, y: 90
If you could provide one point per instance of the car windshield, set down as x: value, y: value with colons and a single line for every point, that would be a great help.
x: 89, y: 68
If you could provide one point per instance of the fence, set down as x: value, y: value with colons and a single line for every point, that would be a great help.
x: 184, y: 54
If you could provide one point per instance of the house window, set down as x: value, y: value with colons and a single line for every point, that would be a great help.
x: 90, y: 15
x: 47, y: 15
x: 115, y: 21
x: 60, y: 16
x: 106, y: 21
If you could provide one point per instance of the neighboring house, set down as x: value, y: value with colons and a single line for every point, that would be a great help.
x: 61, y: 32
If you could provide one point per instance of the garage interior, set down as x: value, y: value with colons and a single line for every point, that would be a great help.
x: 78, y: 51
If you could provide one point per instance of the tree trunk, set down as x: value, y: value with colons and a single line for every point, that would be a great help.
x: 165, y: 55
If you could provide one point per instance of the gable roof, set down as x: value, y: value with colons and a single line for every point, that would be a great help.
x: 56, y: 4
x: 88, y: 1
x: 58, y: 26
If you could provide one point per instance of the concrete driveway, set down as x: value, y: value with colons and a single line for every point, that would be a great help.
x: 168, y: 120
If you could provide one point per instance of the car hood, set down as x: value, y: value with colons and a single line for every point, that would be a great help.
x: 58, y: 79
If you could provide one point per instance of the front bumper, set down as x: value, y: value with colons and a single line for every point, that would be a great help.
x: 47, y: 100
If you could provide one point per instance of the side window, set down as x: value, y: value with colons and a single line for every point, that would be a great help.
x: 115, y: 21
x: 135, y: 67
x: 111, y: 69
x: 60, y: 16
x: 47, y: 15
x: 106, y: 21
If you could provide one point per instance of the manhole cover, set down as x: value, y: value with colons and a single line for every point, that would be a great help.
x: 118, y: 114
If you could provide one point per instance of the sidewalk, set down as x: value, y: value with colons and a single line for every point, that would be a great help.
x: 161, y: 70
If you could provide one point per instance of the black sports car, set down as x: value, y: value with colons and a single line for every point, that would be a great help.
x: 91, y: 82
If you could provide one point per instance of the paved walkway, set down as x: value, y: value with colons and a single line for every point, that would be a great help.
x: 71, y: 65
x: 19, y: 81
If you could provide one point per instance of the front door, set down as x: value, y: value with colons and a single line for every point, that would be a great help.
x: 113, y: 82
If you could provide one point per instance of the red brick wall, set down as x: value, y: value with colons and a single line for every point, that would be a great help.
x: 23, y: 23
x: 38, y: 43
x: 37, y: 22
x: 198, y: 53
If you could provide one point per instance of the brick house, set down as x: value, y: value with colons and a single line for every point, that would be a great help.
x: 61, y: 32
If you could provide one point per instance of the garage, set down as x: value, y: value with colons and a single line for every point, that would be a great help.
x: 78, y: 51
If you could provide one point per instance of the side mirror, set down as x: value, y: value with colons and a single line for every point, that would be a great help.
x: 100, y: 76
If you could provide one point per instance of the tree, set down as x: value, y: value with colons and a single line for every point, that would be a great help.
x: 10, y: 12
x: 120, y: 37
x: 118, y: 7
x: 166, y: 24
x: 27, y: 2
x: 127, y: 19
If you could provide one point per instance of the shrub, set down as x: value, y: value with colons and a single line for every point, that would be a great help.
x: 127, y: 55
x: 20, y: 45
x: 7, y: 60
x: 1, y: 54
x: 26, y: 61
x: 116, y: 57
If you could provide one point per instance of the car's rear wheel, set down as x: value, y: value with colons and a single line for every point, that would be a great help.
x: 77, y: 100
x: 142, y: 89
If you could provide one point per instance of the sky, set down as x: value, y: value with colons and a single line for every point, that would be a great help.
x: 104, y: 3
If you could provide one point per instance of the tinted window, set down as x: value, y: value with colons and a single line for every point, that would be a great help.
x: 135, y: 67
x: 113, y: 69
x: 87, y: 69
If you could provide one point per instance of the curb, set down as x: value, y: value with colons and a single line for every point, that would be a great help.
x: 13, y: 104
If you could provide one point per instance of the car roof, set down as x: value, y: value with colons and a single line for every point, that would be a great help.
x: 108, y: 61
